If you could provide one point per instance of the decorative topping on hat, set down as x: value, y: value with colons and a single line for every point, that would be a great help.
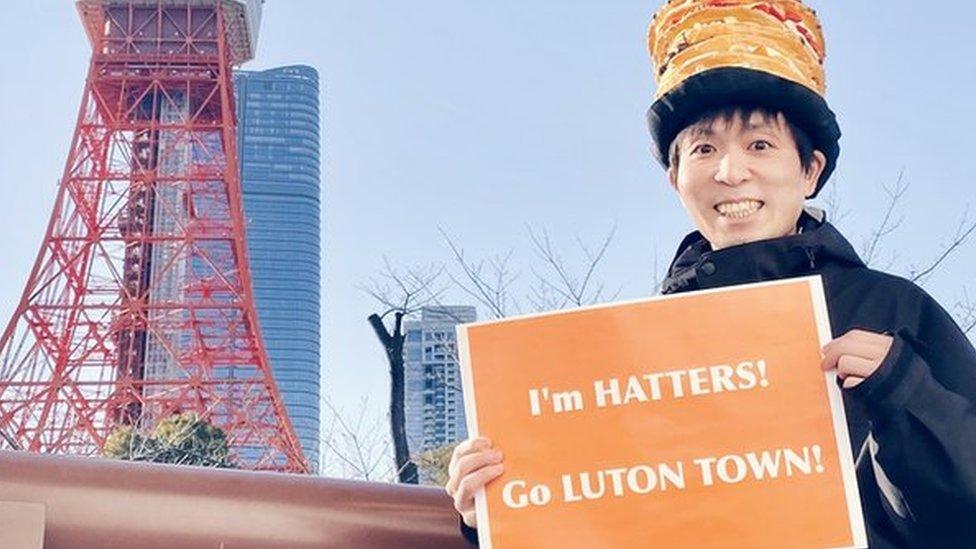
x: 779, y: 37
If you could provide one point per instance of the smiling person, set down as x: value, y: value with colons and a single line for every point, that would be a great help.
x: 741, y: 125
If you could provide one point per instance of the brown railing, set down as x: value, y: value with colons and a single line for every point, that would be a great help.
x: 107, y: 504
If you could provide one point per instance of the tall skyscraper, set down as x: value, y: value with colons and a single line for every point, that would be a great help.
x: 434, y: 406
x: 278, y: 140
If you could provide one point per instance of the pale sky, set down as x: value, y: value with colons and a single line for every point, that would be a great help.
x: 483, y: 117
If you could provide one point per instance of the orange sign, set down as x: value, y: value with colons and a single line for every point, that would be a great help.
x: 694, y: 420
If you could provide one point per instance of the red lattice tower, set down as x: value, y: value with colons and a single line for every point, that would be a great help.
x: 139, y: 305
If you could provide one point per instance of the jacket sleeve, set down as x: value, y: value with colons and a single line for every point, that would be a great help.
x: 470, y: 534
x: 922, y: 406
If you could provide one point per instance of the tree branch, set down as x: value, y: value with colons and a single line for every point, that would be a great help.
x: 963, y: 232
x: 887, y: 225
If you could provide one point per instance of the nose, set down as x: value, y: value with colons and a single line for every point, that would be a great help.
x: 733, y: 169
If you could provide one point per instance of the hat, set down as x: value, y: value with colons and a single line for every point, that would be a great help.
x: 710, y: 54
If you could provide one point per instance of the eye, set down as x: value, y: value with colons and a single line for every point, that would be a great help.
x: 702, y: 148
x: 761, y: 145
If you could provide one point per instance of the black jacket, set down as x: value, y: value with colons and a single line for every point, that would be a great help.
x: 913, y: 422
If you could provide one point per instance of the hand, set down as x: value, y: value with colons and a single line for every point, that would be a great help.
x: 856, y: 355
x: 473, y: 464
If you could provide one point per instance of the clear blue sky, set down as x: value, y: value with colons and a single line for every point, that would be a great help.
x: 481, y: 117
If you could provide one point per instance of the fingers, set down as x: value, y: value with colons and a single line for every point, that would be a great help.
x: 466, y: 447
x: 866, y: 335
x: 850, y: 365
x: 849, y: 344
x: 473, y: 464
x: 469, y: 485
x: 470, y: 463
x: 868, y: 340
x: 470, y: 444
x: 856, y: 355
x: 470, y: 517
x: 852, y: 381
x: 858, y: 343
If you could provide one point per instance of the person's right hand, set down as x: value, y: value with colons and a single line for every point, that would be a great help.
x: 473, y: 464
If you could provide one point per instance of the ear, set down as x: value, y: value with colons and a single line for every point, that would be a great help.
x: 812, y: 175
x: 673, y: 177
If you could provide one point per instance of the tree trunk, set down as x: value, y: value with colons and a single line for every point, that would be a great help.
x: 393, y: 345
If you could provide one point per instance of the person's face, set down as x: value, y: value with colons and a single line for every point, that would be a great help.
x: 742, y: 181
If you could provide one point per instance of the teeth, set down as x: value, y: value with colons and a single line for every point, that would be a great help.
x: 739, y: 209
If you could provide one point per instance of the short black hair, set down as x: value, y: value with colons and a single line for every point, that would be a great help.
x: 804, y: 145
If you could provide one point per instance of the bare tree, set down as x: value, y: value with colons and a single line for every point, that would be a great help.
x: 555, y: 285
x: 965, y: 229
x: 491, y: 282
x: 402, y: 293
x: 888, y: 223
x: 966, y: 310
x: 356, y: 446
x: 832, y: 202
x: 486, y: 281
x: 573, y: 290
x: 891, y: 220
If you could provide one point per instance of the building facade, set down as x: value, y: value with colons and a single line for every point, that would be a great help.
x: 278, y: 148
x: 434, y: 405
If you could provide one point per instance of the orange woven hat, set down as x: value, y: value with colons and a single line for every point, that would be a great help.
x: 714, y: 53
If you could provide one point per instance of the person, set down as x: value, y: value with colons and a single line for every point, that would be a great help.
x: 746, y: 137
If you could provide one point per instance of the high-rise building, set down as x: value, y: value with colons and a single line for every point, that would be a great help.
x: 434, y: 405
x: 278, y: 140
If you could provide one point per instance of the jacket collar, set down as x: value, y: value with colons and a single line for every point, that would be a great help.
x: 816, y: 246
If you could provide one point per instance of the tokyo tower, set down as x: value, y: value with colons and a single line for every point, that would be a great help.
x: 140, y: 304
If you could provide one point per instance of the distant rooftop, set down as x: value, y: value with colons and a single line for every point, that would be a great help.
x: 448, y: 313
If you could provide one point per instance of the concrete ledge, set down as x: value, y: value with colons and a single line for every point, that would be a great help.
x: 109, y: 504
x: 21, y: 525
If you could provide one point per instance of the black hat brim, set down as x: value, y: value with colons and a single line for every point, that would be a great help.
x: 726, y: 86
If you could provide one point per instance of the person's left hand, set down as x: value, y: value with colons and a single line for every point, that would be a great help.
x: 856, y: 355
